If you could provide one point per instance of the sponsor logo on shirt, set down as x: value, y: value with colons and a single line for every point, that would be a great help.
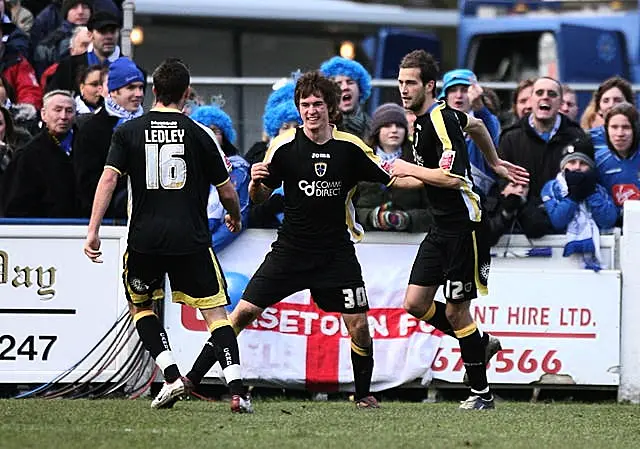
x: 446, y: 160
x: 624, y: 192
x: 320, y: 188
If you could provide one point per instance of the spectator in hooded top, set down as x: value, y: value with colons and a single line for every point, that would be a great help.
x: 577, y: 204
x: 123, y: 103
x: 51, y: 17
x: 462, y: 92
x: 14, y: 66
x: 39, y: 181
x: 355, y: 85
x: 618, y: 162
x: 55, y: 45
x: 214, y: 118
x: 384, y: 209
x: 103, y: 50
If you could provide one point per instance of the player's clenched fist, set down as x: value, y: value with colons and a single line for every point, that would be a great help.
x: 259, y: 171
x: 401, y: 168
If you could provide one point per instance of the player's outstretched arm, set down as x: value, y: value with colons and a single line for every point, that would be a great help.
x: 433, y: 176
x: 104, y: 192
x: 480, y: 135
x: 258, y: 192
x: 229, y: 199
x: 408, y: 182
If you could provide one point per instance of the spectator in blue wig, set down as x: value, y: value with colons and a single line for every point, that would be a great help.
x: 281, y: 118
x: 220, y: 124
x: 280, y: 115
x: 282, y: 93
x: 355, y: 87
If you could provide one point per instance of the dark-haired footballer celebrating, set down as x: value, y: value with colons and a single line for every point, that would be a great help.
x: 171, y: 162
x: 454, y: 252
x: 320, y: 168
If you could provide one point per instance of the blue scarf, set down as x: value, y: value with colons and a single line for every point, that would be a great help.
x: 115, y: 110
x: 65, y: 143
x: 583, y: 235
x: 388, y: 157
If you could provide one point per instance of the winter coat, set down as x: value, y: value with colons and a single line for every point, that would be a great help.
x: 521, y: 145
x: 561, y: 209
x: 39, y: 181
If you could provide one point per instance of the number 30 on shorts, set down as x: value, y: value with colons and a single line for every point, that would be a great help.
x: 354, y: 296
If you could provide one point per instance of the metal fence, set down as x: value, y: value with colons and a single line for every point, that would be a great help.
x: 245, y: 97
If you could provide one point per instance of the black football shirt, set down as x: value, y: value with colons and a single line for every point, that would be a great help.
x: 439, y: 142
x: 319, y: 182
x: 171, y: 162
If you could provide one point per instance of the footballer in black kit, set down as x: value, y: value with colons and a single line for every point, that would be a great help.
x: 171, y: 162
x: 319, y: 167
x: 454, y: 252
x: 314, y: 249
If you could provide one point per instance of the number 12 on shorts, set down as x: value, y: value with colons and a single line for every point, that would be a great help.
x: 165, y: 167
x: 354, y: 296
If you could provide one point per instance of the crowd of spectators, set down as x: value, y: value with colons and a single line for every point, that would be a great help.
x: 64, y: 88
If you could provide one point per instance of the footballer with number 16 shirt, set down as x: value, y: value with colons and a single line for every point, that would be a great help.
x: 171, y: 162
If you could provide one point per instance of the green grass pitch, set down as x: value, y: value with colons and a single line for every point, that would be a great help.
x: 118, y: 423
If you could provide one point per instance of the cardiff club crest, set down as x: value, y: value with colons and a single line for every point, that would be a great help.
x: 321, y: 168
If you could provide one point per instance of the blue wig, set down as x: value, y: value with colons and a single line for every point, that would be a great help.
x: 285, y: 93
x: 354, y: 70
x: 275, y: 117
x: 213, y: 115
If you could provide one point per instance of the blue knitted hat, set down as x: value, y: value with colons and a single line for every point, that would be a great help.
x: 213, y: 115
x: 275, y: 117
x: 354, y: 70
x: 122, y: 72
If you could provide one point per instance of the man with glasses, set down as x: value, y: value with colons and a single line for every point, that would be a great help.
x: 536, y: 141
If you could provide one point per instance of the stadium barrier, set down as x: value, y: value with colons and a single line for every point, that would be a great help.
x: 559, y: 322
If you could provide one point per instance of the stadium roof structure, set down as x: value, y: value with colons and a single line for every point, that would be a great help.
x: 336, y: 11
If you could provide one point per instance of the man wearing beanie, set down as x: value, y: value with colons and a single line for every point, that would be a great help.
x: 123, y: 103
x: 103, y: 50
x: 391, y: 209
x: 577, y: 204
x: 355, y: 88
x: 461, y: 91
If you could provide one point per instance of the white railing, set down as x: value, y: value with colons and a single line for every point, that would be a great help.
x: 264, y: 81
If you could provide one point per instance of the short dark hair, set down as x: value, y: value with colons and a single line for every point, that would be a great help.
x: 629, y: 111
x: 522, y: 85
x: 170, y: 80
x: 420, y: 59
x: 84, y: 72
x: 566, y: 89
x: 314, y: 83
x: 616, y: 81
x: 550, y: 78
